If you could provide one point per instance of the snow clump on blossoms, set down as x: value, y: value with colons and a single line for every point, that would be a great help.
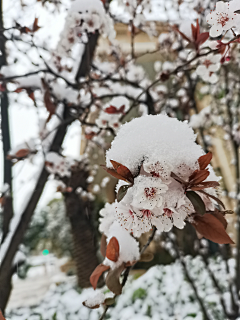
x: 85, y: 17
x: 223, y: 18
x: 152, y: 148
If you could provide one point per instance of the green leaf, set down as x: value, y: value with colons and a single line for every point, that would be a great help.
x: 122, y: 192
x: 197, y: 202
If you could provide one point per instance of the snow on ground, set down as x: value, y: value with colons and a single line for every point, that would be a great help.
x: 162, y: 293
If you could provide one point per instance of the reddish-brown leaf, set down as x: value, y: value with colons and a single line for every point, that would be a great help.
x: 214, y: 198
x: 19, y: 90
x: 22, y: 153
x: 2, y: 87
x: 217, y: 214
x: 202, y: 38
x: 111, y: 110
x: 2, y: 202
x: 103, y: 246
x: 122, y: 108
x: 123, y: 171
x: 212, y: 229
x: 199, y: 177
x: 1, y: 316
x: 35, y: 25
x: 114, y: 110
x: 50, y: 106
x: 112, y: 252
x: 30, y: 93
x: 204, y: 161
x: 25, y: 30
x: 204, y: 185
x: 112, y: 279
x: 97, y: 274
x: 114, y: 174
x: 194, y: 32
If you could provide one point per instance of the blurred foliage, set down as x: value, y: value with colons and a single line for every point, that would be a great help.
x: 50, y: 229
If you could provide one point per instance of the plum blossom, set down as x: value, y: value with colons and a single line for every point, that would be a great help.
x: 147, y: 192
x: 209, y: 65
x: 160, y: 170
x: 223, y: 18
x: 156, y: 150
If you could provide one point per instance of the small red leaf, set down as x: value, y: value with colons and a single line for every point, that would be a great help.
x: 35, y: 25
x: 212, y: 229
x: 198, y: 177
x: 112, y: 252
x: 122, y: 108
x: 204, y: 161
x: 202, y: 38
x: 123, y: 171
x: 22, y: 153
x: 111, y: 110
x: 97, y: 274
x: 194, y: 32
x: 114, y: 110
x: 1, y: 316
x: 114, y: 174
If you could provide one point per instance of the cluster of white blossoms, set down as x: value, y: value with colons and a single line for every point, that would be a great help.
x: 112, y: 112
x: 152, y: 148
x: 225, y: 17
x: 59, y: 165
x: 85, y: 17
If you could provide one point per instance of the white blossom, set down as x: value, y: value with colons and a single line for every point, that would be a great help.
x: 221, y: 19
x: 209, y: 65
x: 147, y: 192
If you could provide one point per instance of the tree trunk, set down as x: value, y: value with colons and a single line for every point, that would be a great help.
x: 7, y: 165
x: 79, y: 212
x: 6, y: 266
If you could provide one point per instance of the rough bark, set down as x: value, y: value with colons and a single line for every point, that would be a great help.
x: 7, y: 165
x: 79, y: 212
